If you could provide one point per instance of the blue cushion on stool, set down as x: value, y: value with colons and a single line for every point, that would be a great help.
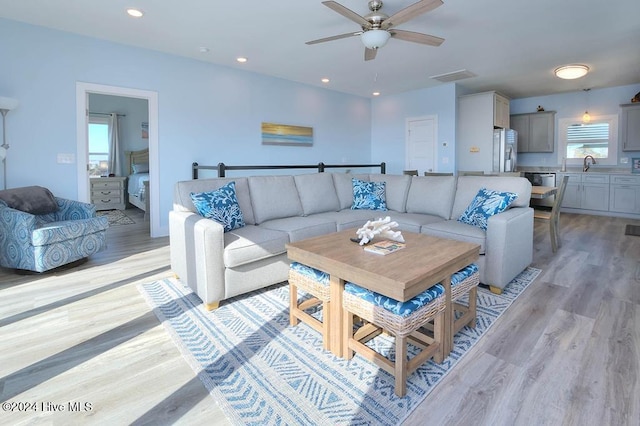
x: 463, y: 274
x: 403, y: 309
x: 311, y: 273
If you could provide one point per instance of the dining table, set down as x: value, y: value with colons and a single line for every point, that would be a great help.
x: 540, y: 192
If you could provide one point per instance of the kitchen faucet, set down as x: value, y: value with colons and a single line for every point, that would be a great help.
x: 585, y: 165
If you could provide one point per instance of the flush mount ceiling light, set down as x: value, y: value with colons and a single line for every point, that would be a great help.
x: 375, y: 39
x: 136, y: 13
x: 325, y: 80
x: 570, y: 72
x: 241, y: 59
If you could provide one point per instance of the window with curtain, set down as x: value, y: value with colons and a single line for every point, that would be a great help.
x: 597, y: 138
x: 98, y: 145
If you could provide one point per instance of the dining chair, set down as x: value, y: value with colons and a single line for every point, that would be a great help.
x: 553, y: 216
x: 410, y: 172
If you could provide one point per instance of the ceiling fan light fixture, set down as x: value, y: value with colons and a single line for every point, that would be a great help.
x: 570, y: 72
x: 375, y: 39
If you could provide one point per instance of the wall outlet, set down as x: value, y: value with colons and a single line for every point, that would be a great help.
x: 445, y: 160
x: 624, y: 160
x: 66, y: 158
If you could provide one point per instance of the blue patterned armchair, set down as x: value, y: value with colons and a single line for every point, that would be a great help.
x: 39, y: 232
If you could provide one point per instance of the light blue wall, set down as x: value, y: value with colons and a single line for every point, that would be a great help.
x: 388, y: 128
x: 572, y: 105
x: 207, y: 113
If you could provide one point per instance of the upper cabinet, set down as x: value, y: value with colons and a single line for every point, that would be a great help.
x: 500, y: 111
x: 536, y: 131
x: 630, y: 127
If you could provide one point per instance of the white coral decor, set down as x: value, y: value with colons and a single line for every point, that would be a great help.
x: 382, y: 227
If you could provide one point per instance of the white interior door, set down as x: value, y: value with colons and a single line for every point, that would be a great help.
x: 421, y: 147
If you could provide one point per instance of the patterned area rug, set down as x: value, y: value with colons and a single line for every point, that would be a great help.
x: 262, y: 371
x: 116, y: 217
x: 632, y: 230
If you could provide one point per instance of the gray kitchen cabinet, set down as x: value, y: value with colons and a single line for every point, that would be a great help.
x: 536, y: 131
x: 586, y: 191
x: 630, y: 127
x: 625, y: 194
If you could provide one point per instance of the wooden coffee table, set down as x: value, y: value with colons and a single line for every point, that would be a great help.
x: 400, y: 275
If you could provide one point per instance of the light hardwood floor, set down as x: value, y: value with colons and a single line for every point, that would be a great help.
x: 567, y: 351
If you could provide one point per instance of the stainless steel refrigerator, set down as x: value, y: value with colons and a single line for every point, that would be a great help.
x: 505, y: 150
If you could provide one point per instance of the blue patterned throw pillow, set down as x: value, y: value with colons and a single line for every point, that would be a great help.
x: 220, y: 205
x: 486, y: 203
x: 368, y: 195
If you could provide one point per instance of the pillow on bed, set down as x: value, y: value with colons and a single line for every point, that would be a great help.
x: 140, y: 168
x: 220, y: 205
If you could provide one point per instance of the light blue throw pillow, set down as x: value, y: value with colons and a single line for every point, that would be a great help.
x: 368, y: 195
x: 220, y: 205
x: 486, y: 203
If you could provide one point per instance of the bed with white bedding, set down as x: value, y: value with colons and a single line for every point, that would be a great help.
x: 138, y: 181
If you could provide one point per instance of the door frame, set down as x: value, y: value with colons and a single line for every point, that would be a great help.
x: 433, y: 117
x: 82, y: 116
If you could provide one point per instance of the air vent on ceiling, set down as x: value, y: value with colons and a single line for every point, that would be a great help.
x: 453, y: 76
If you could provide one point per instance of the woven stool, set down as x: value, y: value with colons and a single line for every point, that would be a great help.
x: 403, y: 320
x: 316, y: 283
x: 462, y: 282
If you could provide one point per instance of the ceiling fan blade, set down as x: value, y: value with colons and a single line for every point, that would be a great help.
x: 347, y: 13
x: 416, y: 37
x: 369, y: 54
x: 335, y: 37
x: 410, y: 12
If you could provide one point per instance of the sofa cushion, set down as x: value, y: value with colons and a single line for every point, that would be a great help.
x: 252, y: 243
x: 455, y: 230
x: 298, y: 228
x: 344, y: 187
x: 56, y: 232
x: 274, y: 197
x: 397, y: 187
x: 486, y: 203
x: 412, y: 222
x: 317, y: 193
x: 30, y: 199
x: 468, y: 187
x: 347, y: 219
x: 182, y: 194
x: 368, y: 195
x: 432, y: 195
x: 220, y: 205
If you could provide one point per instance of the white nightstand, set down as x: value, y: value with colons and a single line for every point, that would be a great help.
x: 108, y: 193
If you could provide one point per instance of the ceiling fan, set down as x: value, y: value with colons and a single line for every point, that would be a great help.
x: 377, y: 26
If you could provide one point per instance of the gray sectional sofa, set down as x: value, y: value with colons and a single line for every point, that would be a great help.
x: 282, y: 209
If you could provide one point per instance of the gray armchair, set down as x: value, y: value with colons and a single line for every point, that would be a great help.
x: 39, y: 232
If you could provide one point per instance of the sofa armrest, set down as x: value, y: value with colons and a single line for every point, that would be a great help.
x: 73, y: 210
x: 196, y: 249
x: 509, y: 245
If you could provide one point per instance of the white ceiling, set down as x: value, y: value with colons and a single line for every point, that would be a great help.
x: 512, y: 46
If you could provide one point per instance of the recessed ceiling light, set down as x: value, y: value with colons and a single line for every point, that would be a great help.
x: 203, y: 49
x: 325, y: 80
x: 376, y: 93
x: 136, y: 13
x: 570, y: 72
x: 241, y: 59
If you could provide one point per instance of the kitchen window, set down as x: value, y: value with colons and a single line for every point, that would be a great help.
x: 598, y: 138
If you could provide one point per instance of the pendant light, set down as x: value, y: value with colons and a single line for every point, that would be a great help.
x: 586, y: 118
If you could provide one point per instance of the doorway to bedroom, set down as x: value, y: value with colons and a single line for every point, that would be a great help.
x: 117, y: 150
